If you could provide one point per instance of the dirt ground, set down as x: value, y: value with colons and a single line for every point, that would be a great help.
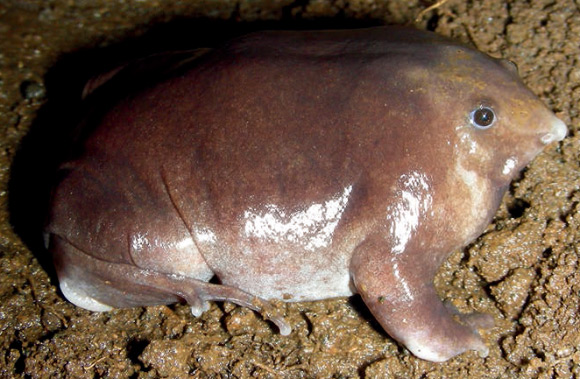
x: 523, y: 270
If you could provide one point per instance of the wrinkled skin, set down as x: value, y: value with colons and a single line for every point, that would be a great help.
x: 295, y: 166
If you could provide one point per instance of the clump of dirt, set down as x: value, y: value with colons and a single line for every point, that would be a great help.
x: 523, y: 270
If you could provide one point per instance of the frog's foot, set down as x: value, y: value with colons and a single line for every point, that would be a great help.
x: 426, y: 327
x: 203, y: 292
x: 99, y: 285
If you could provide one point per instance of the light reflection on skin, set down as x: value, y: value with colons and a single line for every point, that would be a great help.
x: 509, y: 166
x: 185, y: 243
x: 465, y: 139
x: 204, y: 235
x: 312, y: 227
x: 404, y: 215
x: 141, y: 241
x: 401, y: 281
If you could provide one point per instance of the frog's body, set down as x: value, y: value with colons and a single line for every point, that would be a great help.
x: 298, y: 166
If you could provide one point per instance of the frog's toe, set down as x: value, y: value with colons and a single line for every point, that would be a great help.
x: 198, y: 309
x: 477, y: 321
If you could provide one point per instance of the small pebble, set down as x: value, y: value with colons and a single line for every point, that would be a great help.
x: 32, y: 90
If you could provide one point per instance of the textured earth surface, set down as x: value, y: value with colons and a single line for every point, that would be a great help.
x: 523, y: 270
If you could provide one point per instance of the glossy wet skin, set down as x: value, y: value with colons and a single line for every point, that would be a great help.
x: 298, y: 166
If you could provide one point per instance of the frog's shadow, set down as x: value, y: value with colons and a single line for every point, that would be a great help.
x: 47, y: 143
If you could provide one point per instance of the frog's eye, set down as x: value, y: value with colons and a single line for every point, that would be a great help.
x: 482, y: 117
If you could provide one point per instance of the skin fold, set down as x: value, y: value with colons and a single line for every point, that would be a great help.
x: 295, y: 166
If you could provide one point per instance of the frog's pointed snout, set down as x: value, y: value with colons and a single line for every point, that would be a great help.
x: 557, y: 133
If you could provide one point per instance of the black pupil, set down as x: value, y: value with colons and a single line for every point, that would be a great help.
x: 483, y: 117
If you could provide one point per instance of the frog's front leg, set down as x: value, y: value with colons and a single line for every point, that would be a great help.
x: 399, y: 292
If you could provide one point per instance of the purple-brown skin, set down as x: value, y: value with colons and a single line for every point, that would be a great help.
x: 299, y: 166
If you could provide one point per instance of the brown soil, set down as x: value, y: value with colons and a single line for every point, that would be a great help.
x: 523, y: 270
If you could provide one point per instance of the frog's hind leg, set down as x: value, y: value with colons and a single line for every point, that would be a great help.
x: 99, y: 285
